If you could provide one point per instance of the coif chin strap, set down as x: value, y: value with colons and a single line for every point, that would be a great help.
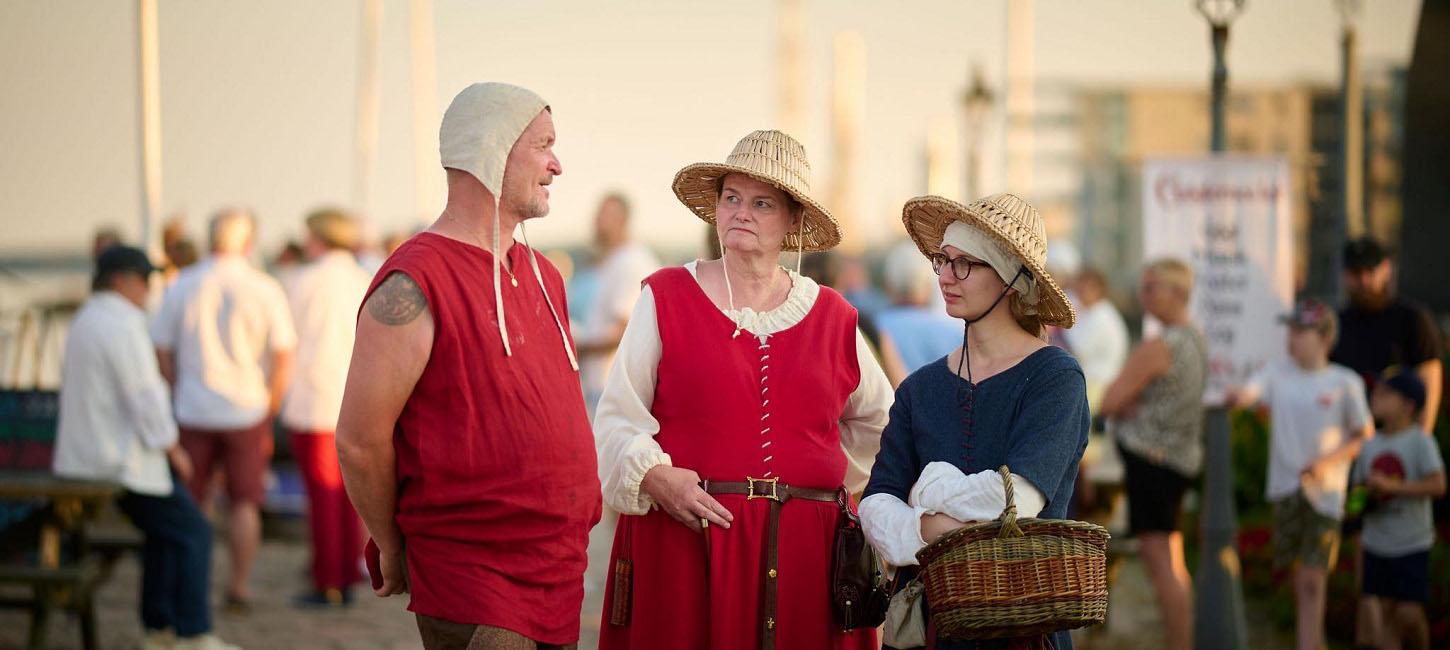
x: 967, y: 323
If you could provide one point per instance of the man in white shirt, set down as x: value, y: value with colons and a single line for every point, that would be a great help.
x: 115, y: 425
x: 1100, y: 338
x: 325, y: 295
x: 224, y: 339
x: 623, y: 264
x: 1100, y: 343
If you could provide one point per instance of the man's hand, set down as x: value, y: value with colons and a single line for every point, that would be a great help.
x: 180, y: 462
x: 279, y: 381
x: 395, y: 574
x: 678, y: 493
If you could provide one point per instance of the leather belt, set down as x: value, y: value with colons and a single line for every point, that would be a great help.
x: 777, y: 493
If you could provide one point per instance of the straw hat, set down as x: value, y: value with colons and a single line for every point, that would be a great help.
x: 770, y: 157
x: 333, y: 227
x: 1004, y: 217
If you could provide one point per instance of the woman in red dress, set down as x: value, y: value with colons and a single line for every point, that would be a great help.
x: 742, y: 399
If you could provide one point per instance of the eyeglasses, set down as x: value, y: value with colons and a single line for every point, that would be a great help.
x: 961, y: 266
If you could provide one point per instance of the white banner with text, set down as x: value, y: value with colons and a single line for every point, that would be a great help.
x: 1229, y: 218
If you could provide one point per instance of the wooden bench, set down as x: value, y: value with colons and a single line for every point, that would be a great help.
x: 71, y: 587
x: 61, y: 569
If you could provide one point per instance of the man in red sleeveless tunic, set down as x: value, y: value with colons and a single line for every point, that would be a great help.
x: 463, y: 437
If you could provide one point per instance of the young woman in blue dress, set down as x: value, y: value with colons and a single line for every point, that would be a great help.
x: 1005, y: 397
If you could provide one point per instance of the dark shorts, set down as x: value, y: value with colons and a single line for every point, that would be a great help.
x: 242, y: 455
x: 1405, y: 578
x: 1155, y: 494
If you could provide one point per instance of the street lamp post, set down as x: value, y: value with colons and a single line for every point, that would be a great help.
x: 1218, y: 603
x: 1329, y: 228
x: 1220, y: 13
x: 977, y: 102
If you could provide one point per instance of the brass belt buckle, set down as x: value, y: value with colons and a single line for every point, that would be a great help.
x: 774, y: 494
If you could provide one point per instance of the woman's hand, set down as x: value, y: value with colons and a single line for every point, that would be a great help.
x: 678, y: 493
x: 933, y: 526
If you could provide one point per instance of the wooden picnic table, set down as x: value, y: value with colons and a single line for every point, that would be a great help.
x: 70, y: 505
x: 73, y: 502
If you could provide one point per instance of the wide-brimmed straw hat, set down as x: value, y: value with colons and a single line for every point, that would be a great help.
x: 333, y: 227
x: 770, y: 157
x: 1007, y: 219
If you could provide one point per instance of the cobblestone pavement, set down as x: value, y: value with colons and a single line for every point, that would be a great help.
x: 371, y: 624
x: 385, y: 624
x: 1133, y: 621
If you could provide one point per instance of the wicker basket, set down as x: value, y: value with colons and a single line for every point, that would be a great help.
x: 1016, y: 577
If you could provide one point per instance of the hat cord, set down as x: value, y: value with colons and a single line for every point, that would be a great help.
x: 801, y: 243
x: 966, y: 357
x: 534, y: 262
x: 730, y: 295
x: 503, y: 329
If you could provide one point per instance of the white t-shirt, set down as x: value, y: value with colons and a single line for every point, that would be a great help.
x: 222, y: 320
x: 325, y: 296
x: 1099, y: 340
x: 619, y: 276
x: 1312, y: 413
x: 115, y: 410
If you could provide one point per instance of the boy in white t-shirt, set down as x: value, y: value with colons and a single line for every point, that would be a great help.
x: 1319, y: 420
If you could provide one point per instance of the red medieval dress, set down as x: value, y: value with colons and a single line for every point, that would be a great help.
x: 733, y: 408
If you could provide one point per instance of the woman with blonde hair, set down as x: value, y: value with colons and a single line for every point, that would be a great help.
x: 1156, y: 408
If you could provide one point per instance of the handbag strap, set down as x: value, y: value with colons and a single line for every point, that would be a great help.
x: 843, y: 501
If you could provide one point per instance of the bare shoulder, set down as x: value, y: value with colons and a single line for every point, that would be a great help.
x: 1154, y: 354
x: 397, y: 301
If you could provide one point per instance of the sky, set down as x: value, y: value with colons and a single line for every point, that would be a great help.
x: 258, y: 98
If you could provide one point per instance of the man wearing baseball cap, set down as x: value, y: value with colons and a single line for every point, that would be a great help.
x: 1382, y: 331
x: 116, y: 425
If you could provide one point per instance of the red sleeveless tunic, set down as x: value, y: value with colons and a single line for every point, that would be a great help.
x: 497, y: 476
x: 731, y: 408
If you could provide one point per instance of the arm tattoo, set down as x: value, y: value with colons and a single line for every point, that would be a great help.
x: 397, y: 301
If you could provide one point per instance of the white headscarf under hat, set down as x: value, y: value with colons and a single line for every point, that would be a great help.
x: 978, y: 244
x: 479, y: 129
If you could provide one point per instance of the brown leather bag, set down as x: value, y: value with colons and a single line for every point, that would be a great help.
x: 859, y: 590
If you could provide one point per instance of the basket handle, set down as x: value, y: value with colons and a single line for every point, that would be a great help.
x: 1009, y: 510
